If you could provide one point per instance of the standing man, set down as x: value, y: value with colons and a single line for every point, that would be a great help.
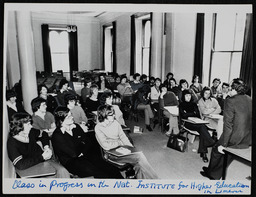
x: 237, y: 129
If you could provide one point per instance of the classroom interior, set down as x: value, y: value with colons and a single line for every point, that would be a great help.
x: 212, y: 42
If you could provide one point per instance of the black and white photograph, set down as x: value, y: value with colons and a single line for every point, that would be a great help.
x: 127, y: 98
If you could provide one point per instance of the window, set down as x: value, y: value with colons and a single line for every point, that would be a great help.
x: 59, y: 45
x: 142, y: 45
x: 227, y: 46
x: 108, y: 48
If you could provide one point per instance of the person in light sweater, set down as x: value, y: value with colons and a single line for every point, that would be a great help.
x: 110, y: 135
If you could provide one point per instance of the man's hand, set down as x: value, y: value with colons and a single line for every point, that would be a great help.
x: 220, y: 149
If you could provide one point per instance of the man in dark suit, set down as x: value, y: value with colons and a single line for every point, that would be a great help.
x: 237, y: 129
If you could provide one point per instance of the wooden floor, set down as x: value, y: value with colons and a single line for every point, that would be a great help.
x: 172, y: 164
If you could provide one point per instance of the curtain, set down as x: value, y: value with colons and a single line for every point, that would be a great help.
x: 150, y: 42
x: 114, y: 46
x: 247, y: 55
x: 46, y: 49
x: 73, y: 53
x: 133, y: 41
x: 198, y: 61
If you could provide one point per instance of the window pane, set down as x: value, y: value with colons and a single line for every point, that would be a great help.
x: 225, y: 31
x: 54, y: 39
x: 145, y: 66
x: 239, y: 34
x: 60, y: 62
x: 235, y: 65
x: 220, y: 66
x: 147, y: 34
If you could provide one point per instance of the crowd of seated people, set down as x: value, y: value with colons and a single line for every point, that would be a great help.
x: 64, y: 117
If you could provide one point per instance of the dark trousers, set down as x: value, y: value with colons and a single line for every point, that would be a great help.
x: 215, y: 167
x: 205, y: 139
x: 92, y: 163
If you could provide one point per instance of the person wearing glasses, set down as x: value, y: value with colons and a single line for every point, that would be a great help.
x: 237, y: 129
x: 110, y: 135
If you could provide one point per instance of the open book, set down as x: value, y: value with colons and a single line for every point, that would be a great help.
x: 197, y: 120
x: 122, y: 151
x: 174, y: 110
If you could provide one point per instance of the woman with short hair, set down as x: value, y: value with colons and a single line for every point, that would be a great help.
x: 22, y: 147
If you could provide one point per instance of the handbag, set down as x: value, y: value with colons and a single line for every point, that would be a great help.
x: 177, y: 142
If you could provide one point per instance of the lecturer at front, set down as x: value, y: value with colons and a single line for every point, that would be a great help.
x: 237, y: 129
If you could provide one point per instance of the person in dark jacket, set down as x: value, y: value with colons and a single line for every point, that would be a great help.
x: 79, y: 151
x: 141, y: 101
x: 22, y: 147
x: 13, y: 105
x: 188, y: 108
x: 237, y: 128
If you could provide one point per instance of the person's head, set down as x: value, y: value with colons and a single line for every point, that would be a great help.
x: 38, y: 104
x: 42, y: 89
x: 238, y: 87
x: 87, y: 82
x: 183, y: 84
x: 106, y: 98
x: 63, y: 84
x: 11, y: 96
x: 225, y: 87
x: 94, y: 90
x: 152, y: 80
x: 123, y: 79
x: 143, y: 78
x: 102, y: 77
x: 163, y: 88
x: 136, y: 76
x: 63, y: 116
x: 169, y: 75
x: 186, y: 96
x: 158, y: 82
x: 195, y: 79
x: 172, y: 82
x: 117, y: 78
x: 216, y: 82
x: 106, y: 113
x: 20, y: 122
x: 206, y: 93
x: 70, y: 100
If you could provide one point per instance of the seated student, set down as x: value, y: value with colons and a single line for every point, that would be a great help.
x: 13, y: 106
x: 196, y: 86
x: 85, y: 92
x: 42, y: 119
x: 167, y: 98
x: 190, y: 109
x: 117, y: 79
x: 173, y: 87
x: 154, y: 97
x: 124, y: 88
x: 79, y: 151
x: 168, y: 77
x: 107, y: 99
x: 141, y: 101
x: 152, y: 81
x: 103, y: 83
x: 143, y: 79
x: 208, y: 105
x: 92, y: 102
x: 110, y: 135
x: 183, y: 85
x: 64, y: 89
x: 136, y: 84
x: 51, y: 102
x: 225, y: 93
x: 216, y: 88
x: 22, y: 147
x: 76, y: 111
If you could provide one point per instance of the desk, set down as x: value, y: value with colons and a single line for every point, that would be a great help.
x: 244, y: 154
x: 219, y: 120
x: 42, y: 169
